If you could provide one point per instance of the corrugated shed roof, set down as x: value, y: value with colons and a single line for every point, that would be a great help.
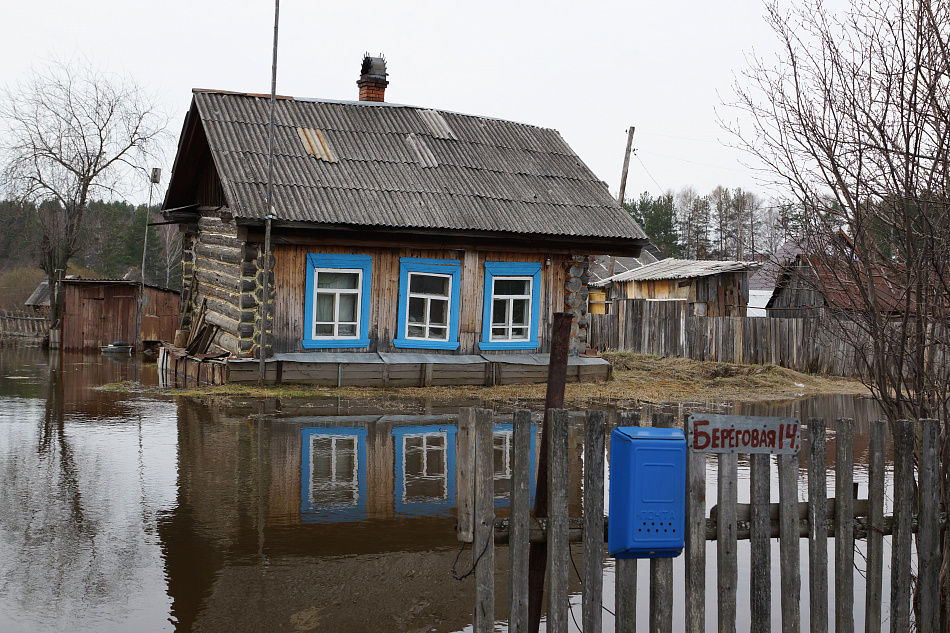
x: 680, y: 269
x: 40, y: 296
x: 407, y: 167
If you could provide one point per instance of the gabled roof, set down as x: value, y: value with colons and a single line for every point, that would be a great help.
x: 387, y: 165
x: 680, y: 269
x: 40, y: 296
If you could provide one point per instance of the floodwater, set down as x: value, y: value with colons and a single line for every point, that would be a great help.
x: 140, y: 511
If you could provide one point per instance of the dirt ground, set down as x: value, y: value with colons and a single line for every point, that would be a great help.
x: 636, y: 378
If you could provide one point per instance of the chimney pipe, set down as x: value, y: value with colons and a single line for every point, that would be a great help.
x: 372, y: 80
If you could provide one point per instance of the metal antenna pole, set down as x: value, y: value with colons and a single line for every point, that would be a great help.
x: 265, y: 285
x: 153, y: 180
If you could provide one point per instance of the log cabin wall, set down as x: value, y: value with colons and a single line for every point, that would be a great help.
x: 291, y: 273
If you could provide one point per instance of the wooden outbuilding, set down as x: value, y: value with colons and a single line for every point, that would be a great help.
x: 709, y: 288
x: 395, y: 230
x: 97, y: 312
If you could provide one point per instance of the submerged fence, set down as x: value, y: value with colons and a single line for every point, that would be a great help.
x: 842, y: 517
x: 662, y: 328
x: 23, y: 327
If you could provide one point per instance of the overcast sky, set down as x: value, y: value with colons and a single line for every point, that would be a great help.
x: 589, y: 70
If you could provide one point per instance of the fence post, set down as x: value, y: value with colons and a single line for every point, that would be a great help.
x: 928, y: 528
x: 483, y: 544
x: 789, y: 547
x: 760, y: 550
x: 464, y: 478
x: 519, y: 522
x: 593, y: 600
x: 696, y: 540
x: 844, y: 526
x: 661, y: 570
x: 817, y: 527
x: 875, y: 567
x: 901, y: 535
x: 726, y: 548
x: 557, y: 537
x: 625, y: 600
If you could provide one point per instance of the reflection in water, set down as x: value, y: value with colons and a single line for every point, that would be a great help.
x: 144, y: 512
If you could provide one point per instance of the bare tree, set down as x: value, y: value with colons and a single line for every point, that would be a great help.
x: 71, y: 133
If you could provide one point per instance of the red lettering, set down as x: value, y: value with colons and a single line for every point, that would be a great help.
x: 792, y: 434
x: 746, y: 435
x: 771, y: 439
x: 700, y: 436
x: 781, y: 436
x: 715, y: 438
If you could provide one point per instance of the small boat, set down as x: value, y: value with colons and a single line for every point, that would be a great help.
x: 118, y: 347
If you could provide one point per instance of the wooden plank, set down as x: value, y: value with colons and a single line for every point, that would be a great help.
x: 464, y: 477
x: 483, y: 546
x: 519, y: 523
x: 817, y: 526
x: 875, y: 564
x: 558, y: 544
x: 726, y: 548
x: 760, y: 549
x: 593, y: 597
x: 844, y: 526
x: 901, y: 540
x: 625, y: 599
x: 928, y: 528
x: 695, y: 540
x: 789, y: 561
x: 661, y: 570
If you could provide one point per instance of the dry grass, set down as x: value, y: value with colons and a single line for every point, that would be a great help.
x: 636, y: 378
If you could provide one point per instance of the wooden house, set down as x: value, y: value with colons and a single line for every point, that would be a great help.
x: 709, y: 288
x: 98, y: 312
x: 394, y: 229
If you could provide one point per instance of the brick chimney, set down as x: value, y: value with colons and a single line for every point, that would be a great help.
x: 372, y: 81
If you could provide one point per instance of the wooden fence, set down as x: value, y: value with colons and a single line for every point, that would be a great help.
x: 663, y: 329
x: 818, y: 519
x: 22, y: 327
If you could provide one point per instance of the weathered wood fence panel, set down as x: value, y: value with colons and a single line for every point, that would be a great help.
x: 18, y: 326
x: 844, y: 518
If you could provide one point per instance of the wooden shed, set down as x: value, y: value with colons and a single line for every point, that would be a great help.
x: 395, y: 229
x: 710, y: 288
x: 98, y: 312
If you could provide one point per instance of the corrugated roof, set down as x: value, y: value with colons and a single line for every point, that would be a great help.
x: 407, y: 167
x: 680, y: 269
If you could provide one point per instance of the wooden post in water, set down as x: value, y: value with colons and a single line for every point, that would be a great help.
x: 817, y: 527
x: 760, y: 548
x: 464, y: 477
x: 558, y: 543
x: 661, y: 570
x: 519, y: 523
x: 483, y: 545
x: 844, y: 526
x: 789, y: 548
x: 695, y: 540
x: 928, y: 528
x: 901, y: 534
x: 625, y: 583
x: 593, y: 599
x: 875, y: 565
x: 554, y: 399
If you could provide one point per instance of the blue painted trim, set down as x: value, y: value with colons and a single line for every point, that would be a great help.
x: 430, y: 508
x: 324, y: 260
x: 511, y: 269
x: 330, y: 513
x: 451, y: 267
x: 532, y: 463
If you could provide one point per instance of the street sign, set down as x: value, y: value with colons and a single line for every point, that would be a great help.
x: 743, y: 434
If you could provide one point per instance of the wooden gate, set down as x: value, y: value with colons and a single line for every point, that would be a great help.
x: 842, y: 517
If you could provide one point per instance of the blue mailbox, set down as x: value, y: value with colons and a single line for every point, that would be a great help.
x: 647, y: 492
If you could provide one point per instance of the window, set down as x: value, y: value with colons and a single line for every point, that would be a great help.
x: 510, y: 316
x: 428, y: 303
x: 332, y: 474
x: 337, y: 310
x: 426, y: 473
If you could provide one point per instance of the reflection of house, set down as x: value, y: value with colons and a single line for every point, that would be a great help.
x: 710, y: 288
x: 396, y: 228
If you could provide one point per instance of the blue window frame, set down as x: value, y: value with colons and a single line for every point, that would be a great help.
x: 512, y: 306
x: 337, y: 310
x: 428, y: 303
x: 333, y: 474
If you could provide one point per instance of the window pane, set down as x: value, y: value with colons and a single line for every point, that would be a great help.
x: 438, y: 333
x: 429, y: 285
x: 338, y: 280
x: 324, y: 311
x: 438, y: 312
x: 435, y: 463
x: 512, y: 286
x: 519, y: 332
x: 347, y: 329
x: 498, y: 332
x: 499, y: 312
x: 519, y: 311
x: 417, y: 330
x: 323, y: 329
x: 417, y: 310
x: 348, y: 307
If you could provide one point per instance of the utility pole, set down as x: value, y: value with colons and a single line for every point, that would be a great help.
x: 626, y: 164
x: 154, y: 179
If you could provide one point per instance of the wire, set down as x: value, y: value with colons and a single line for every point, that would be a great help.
x: 649, y: 174
x: 490, y: 539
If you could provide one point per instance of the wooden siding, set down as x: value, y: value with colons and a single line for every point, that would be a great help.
x: 725, y: 294
x: 97, y: 314
x: 291, y: 275
x: 160, y: 314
